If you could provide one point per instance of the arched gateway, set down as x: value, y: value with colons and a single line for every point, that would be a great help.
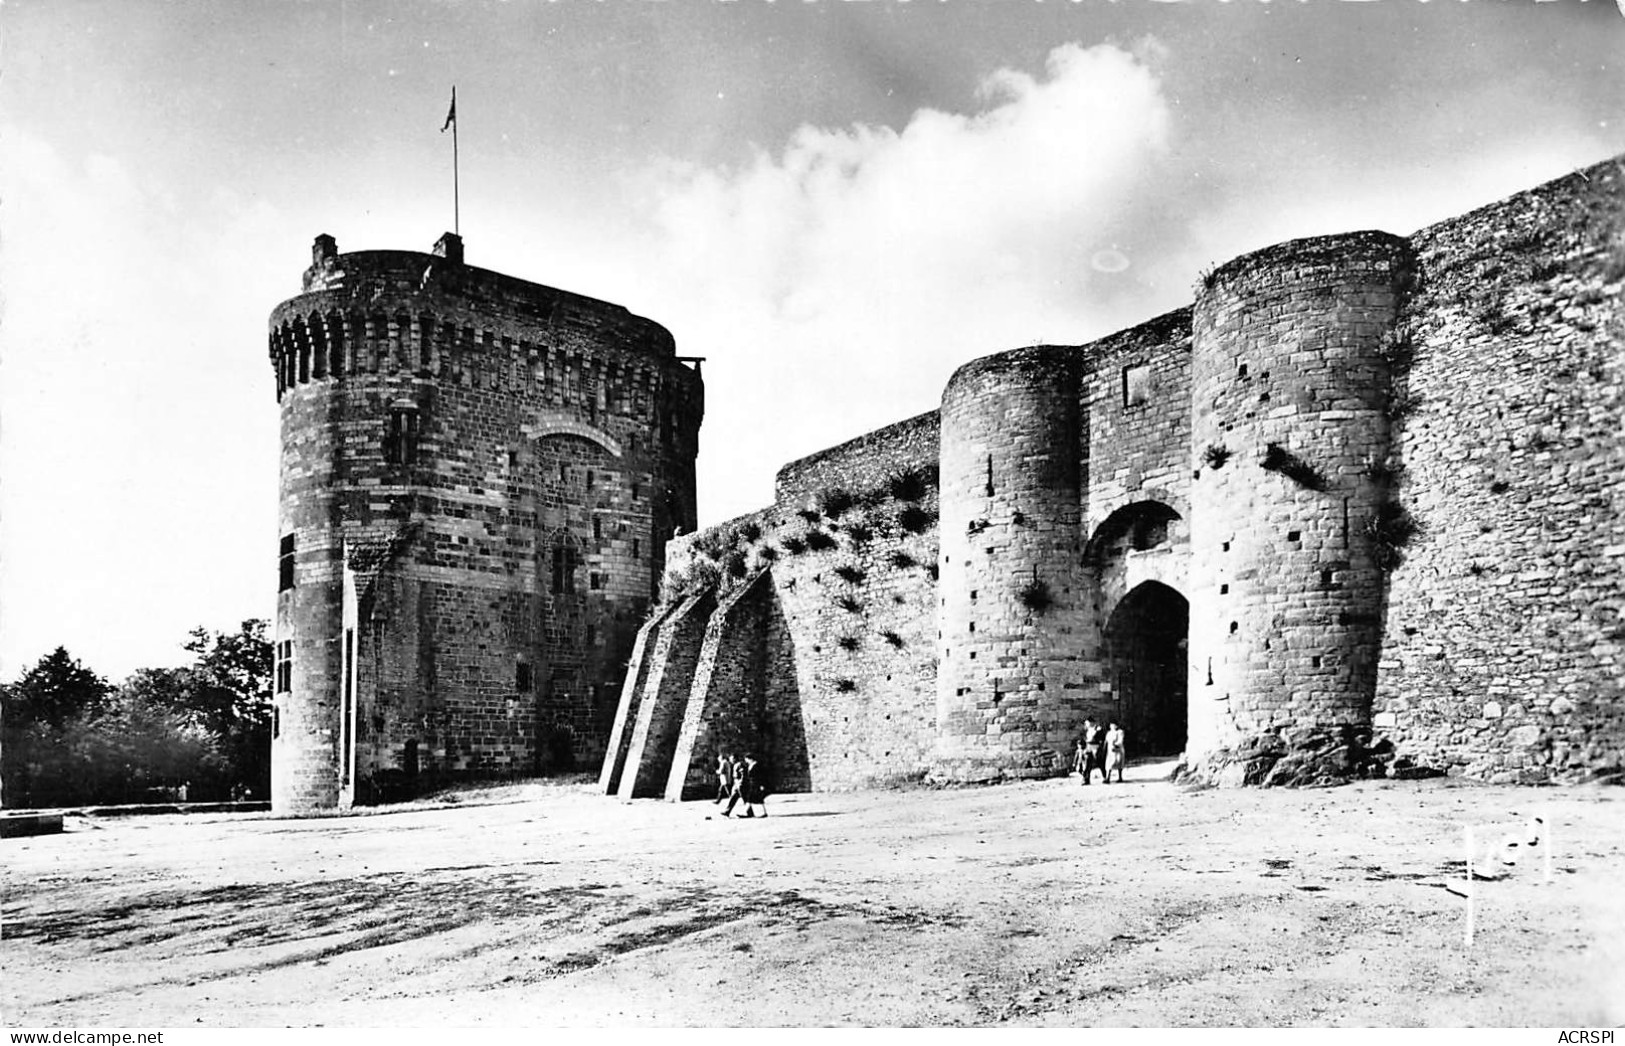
x: 1146, y: 642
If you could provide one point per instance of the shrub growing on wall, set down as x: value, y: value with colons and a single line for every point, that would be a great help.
x: 911, y: 484
x: 836, y: 501
x: 1278, y: 459
x: 1035, y: 595
x: 915, y: 520
x: 1391, y: 529
x: 699, y: 575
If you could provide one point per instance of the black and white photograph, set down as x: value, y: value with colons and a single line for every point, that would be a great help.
x: 813, y: 514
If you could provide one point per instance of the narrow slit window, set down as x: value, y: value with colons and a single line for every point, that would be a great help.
x: 284, y: 564
x: 564, y: 569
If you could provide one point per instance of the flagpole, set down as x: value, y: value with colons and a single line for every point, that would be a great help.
x: 456, y: 203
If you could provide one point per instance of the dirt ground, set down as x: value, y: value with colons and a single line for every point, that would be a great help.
x: 1041, y: 903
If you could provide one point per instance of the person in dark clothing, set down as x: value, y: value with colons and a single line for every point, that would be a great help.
x: 1094, y: 750
x: 748, y: 787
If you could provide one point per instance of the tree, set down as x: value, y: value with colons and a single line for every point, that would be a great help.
x: 35, y: 710
x: 140, y: 741
x: 57, y: 690
x: 71, y: 738
x: 230, y: 693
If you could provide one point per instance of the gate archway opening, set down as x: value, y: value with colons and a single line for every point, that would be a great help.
x: 1147, y: 639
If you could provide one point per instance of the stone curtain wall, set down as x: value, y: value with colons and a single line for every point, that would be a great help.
x: 821, y: 654
x: 863, y: 463
x: 1376, y: 482
x: 852, y: 671
x: 501, y: 465
x: 1506, y: 621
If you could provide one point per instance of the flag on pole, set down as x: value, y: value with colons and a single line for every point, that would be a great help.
x: 451, y: 114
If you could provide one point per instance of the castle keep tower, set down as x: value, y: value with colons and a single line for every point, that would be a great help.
x: 479, y: 475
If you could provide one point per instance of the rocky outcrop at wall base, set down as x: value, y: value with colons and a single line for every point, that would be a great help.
x: 1302, y: 759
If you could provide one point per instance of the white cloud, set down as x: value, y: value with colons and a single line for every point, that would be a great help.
x: 836, y: 283
x: 859, y: 266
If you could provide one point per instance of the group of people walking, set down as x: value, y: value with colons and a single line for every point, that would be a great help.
x: 1100, y: 748
x: 740, y: 780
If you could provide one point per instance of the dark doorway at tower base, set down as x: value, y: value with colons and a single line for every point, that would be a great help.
x: 1147, y: 639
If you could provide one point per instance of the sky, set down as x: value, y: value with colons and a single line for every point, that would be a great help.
x: 836, y: 203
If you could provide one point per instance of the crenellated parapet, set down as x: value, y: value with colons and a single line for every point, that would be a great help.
x: 523, y: 454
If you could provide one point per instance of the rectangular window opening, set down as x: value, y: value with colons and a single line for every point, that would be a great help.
x: 401, y: 439
x: 1136, y: 384
x: 284, y: 666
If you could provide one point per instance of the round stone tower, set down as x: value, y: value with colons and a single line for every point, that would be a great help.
x: 1009, y: 703
x: 1290, y: 434
x: 479, y: 475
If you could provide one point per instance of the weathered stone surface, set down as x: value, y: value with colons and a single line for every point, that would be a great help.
x: 479, y: 475
x: 1366, y: 483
